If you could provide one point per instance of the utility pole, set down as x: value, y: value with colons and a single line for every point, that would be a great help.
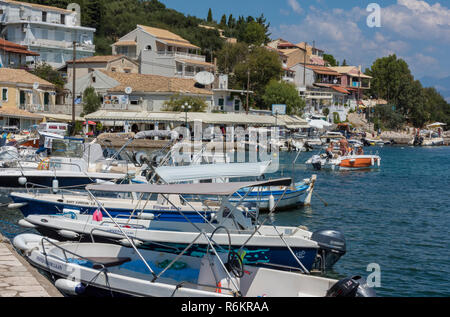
x: 73, y: 85
x: 304, y: 67
x: 248, y: 84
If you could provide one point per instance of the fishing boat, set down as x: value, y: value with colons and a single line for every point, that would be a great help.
x: 109, y: 269
x: 170, y: 230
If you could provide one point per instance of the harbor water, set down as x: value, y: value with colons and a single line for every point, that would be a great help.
x: 397, y: 217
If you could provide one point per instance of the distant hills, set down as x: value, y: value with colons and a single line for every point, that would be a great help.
x: 441, y: 84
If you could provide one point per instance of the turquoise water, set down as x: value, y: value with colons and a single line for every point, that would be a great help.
x: 397, y: 216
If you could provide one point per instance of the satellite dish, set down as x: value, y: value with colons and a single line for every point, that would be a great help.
x: 35, y: 85
x: 204, y: 78
x: 128, y: 90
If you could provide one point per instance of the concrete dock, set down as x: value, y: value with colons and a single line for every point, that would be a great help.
x: 18, y: 278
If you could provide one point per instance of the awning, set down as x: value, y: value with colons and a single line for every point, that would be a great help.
x: 19, y: 113
x: 436, y: 125
x: 60, y: 117
x: 219, y: 189
x: 319, y: 124
x: 173, y: 174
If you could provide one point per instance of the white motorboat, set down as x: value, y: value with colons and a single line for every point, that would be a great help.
x: 346, y: 162
x: 171, y: 229
x: 99, y: 269
x: 290, y: 197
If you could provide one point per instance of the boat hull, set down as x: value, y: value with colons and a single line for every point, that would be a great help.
x: 10, y: 178
x: 36, y: 206
x: 257, y: 255
x: 290, y: 199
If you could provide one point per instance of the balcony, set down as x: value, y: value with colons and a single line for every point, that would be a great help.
x: 318, y: 95
x: 185, y: 55
x: 326, y: 80
x: 61, y: 44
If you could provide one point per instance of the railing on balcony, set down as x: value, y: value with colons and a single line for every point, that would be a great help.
x: 34, y: 107
x: 186, y: 55
x: 61, y: 44
x: 333, y: 81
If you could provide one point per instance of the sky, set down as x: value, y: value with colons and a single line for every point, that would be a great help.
x: 416, y: 30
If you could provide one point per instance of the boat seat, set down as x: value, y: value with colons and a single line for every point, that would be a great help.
x: 107, y: 261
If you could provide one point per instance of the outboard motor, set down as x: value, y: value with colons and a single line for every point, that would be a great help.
x: 315, y: 161
x: 332, y: 247
x: 355, y: 286
x: 365, y: 142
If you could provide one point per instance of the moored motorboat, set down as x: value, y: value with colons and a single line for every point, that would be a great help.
x: 346, y: 162
x: 99, y: 269
x: 171, y: 229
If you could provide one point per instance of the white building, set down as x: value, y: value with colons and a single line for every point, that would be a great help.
x: 228, y: 100
x: 49, y: 31
x: 163, y: 53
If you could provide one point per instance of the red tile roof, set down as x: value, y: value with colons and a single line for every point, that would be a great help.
x: 11, y: 47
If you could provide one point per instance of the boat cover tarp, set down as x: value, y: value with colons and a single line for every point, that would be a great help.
x: 216, y: 189
x: 174, y: 174
x: 157, y: 133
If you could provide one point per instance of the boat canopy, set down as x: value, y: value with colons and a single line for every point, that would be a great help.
x: 157, y: 133
x: 173, y: 174
x: 217, y: 189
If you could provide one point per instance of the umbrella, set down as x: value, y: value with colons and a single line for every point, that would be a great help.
x: 90, y: 123
x: 436, y: 124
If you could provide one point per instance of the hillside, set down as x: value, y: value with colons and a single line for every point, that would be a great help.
x: 441, y: 84
x: 115, y: 18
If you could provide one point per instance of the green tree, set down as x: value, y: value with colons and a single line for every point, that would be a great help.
x: 277, y: 92
x: 254, y: 33
x: 344, y: 63
x: 176, y: 103
x: 223, y: 21
x: 256, y: 71
x: 46, y: 72
x: 330, y: 60
x: 91, y: 101
x: 210, y: 16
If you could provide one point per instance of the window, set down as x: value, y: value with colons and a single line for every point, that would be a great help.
x: 148, y: 47
x: 221, y: 102
x: 113, y: 69
x: 63, y: 19
x: 127, y: 70
x: 4, y: 94
x: 46, y: 98
x: 44, y: 16
x: 237, y: 105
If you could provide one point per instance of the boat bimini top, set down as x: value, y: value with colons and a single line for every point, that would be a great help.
x: 174, y: 174
x: 216, y: 189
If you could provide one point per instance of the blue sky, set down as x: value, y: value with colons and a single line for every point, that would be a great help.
x: 416, y: 30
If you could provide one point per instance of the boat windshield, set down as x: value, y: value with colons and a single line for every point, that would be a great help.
x: 67, y: 148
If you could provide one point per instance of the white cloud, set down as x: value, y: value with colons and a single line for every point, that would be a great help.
x: 417, y: 19
x: 344, y: 34
x: 295, y: 6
